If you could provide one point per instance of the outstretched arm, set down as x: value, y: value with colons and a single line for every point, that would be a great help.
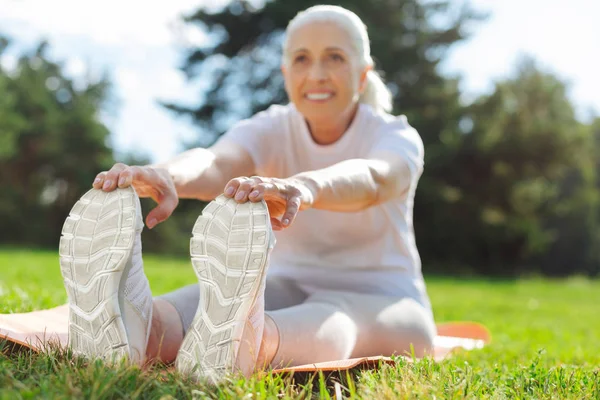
x: 202, y: 173
x: 350, y: 185
x: 356, y: 184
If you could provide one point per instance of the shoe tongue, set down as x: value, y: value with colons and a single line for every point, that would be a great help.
x: 139, y: 218
x: 272, y: 238
x: 256, y: 315
x: 251, y: 340
x: 139, y: 223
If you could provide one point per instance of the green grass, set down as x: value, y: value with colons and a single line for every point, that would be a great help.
x: 545, y: 345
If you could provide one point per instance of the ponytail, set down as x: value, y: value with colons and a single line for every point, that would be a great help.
x: 376, y: 93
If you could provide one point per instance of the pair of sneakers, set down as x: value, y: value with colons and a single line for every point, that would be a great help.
x: 110, y: 301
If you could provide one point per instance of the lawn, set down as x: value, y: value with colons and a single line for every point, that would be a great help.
x: 546, y: 344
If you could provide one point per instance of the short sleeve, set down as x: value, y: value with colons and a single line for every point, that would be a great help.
x: 257, y: 135
x: 398, y: 137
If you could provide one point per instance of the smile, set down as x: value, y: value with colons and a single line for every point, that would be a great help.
x: 318, y: 96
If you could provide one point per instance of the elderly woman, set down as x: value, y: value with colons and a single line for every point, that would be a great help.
x: 332, y: 173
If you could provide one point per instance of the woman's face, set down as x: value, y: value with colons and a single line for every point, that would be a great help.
x: 323, y: 77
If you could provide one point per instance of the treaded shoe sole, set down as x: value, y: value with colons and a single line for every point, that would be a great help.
x: 229, y: 251
x: 96, y: 243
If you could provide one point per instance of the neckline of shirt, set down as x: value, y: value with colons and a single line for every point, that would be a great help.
x: 337, y: 145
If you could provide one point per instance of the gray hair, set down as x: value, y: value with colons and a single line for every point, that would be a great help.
x: 376, y: 93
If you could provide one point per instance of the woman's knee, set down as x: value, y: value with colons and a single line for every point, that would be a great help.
x: 408, y: 329
x: 336, y: 336
x: 417, y: 341
x: 313, y: 332
x: 338, y: 333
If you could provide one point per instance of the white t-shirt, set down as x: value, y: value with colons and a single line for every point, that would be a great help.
x: 371, y: 251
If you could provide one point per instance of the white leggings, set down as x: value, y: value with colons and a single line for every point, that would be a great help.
x: 332, y: 325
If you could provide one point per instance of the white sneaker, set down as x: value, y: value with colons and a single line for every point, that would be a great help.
x: 230, y: 248
x: 110, y: 302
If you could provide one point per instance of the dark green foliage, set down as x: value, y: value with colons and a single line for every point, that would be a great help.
x: 51, y: 147
x: 520, y: 188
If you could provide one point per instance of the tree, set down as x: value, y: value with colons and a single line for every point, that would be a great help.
x: 52, y: 146
x: 521, y: 194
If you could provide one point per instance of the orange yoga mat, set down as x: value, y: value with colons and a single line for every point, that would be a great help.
x: 34, y: 330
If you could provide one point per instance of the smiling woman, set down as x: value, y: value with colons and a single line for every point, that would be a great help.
x: 328, y: 69
x: 332, y: 172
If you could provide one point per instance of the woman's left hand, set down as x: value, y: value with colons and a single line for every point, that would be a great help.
x: 284, y: 197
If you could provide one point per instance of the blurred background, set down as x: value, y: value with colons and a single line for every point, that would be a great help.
x: 505, y: 94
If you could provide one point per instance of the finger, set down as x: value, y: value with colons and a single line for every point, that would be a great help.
x: 292, y: 208
x: 276, y: 224
x: 143, y: 175
x: 271, y: 189
x: 99, y: 180
x: 153, y: 185
x: 166, y: 204
x: 111, y: 178
x: 126, y: 177
x: 257, y: 193
x: 241, y: 195
x: 232, y: 187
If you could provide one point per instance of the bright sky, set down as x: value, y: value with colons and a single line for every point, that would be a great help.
x: 140, y: 43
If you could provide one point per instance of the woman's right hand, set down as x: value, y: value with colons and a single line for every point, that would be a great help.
x: 155, y: 183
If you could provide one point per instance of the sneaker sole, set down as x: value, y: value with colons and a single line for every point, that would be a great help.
x: 96, y: 242
x: 229, y: 251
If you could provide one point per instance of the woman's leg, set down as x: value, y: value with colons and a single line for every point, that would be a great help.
x: 175, y: 311
x: 390, y: 326
x: 172, y: 315
x: 166, y: 332
x: 333, y: 325
x: 282, y: 292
